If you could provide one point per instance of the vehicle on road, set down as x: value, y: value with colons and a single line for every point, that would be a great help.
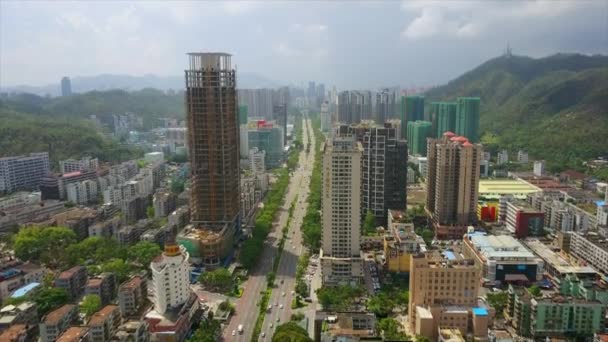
x: 292, y: 292
x: 233, y: 333
x: 278, y: 319
x: 283, y: 293
x: 271, y: 324
x: 281, y: 306
x: 240, y: 328
x: 282, y: 281
x: 263, y: 334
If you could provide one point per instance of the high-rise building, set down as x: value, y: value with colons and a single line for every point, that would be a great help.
x: 354, y: 106
x: 452, y: 184
x: 443, y: 116
x: 311, y: 93
x: 418, y: 132
x: 502, y: 157
x: 325, y: 117
x: 385, y: 106
x: 467, y: 118
x: 66, y: 86
x: 170, y: 278
x: 279, y: 113
x: 268, y: 138
x: 341, y: 204
x: 259, y: 102
x: 243, y: 114
x: 412, y: 109
x: 23, y: 172
x: 213, y: 139
x: 384, y: 168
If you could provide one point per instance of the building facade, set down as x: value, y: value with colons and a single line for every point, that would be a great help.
x: 452, y: 184
x: 170, y: 278
x: 385, y: 106
x: 23, y: 172
x: 417, y: 133
x: 213, y: 141
x: 467, y: 118
x: 341, y: 211
x: 443, y: 116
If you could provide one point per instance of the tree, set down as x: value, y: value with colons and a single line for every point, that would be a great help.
x: 219, y: 279
x: 302, y: 288
x: 270, y: 276
x: 381, y: 304
x: 209, y: 331
x: 95, y: 250
x: 339, y: 297
x: 226, y: 306
x: 290, y: 332
x: 90, y: 304
x: 420, y: 338
x: 535, y: 291
x: 119, y: 267
x: 45, y: 245
x: 144, y: 252
x: 391, y: 329
x: 497, y: 300
x: 177, y: 185
x: 50, y: 298
x: 150, y: 212
x: 369, y: 223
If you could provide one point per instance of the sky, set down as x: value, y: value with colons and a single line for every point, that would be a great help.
x: 347, y: 44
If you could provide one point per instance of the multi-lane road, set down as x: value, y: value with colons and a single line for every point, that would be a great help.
x: 283, y: 293
x: 247, y: 309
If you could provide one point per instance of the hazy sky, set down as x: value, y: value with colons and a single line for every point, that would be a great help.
x: 349, y: 44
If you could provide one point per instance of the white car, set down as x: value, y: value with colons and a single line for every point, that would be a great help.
x: 292, y: 292
x: 281, y: 306
x: 263, y: 334
x: 233, y: 332
x: 283, y: 294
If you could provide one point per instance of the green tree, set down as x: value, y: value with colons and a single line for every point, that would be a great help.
x: 119, y: 267
x: 50, y: 298
x: 381, y: 304
x: 219, y: 279
x: 150, y: 212
x: 497, y: 300
x: 177, y: 185
x: 391, y: 329
x: 226, y: 306
x: 209, y: 331
x: 45, y: 245
x: 420, y: 338
x: 270, y: 277
x: 95, y: 250
x: 90, y: 304
x: 535, y: 291
x: 369, y: 223
x: 339, y: 297
x: 290, y: 332
x: 144, y: 252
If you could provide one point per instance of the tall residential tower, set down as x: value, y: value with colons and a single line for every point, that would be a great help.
x: 213, y: 140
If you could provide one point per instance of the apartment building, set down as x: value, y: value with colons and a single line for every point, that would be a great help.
x: 132, y: 296
x: 341, y: 211
x: 75, y: 334
x: 103, y: 286
x: 83, y: 192
x: 57, y: 321
x: 452, y: 184
x: 164, y: 203
x: 64, y: 181
x: 524, y: 220
x: 72, y: 281
x: 590, y: 249
x: 72, y: 165
x: 104, y: 323
x: 400, y: 242
x: 15, y: 274
x: 132, y: 331
x: 23, y: 172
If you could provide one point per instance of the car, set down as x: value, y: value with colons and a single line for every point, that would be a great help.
x: 276, y: 304
x: 233, y: 332
x: 283, y: 294
x: 292, y: 292
x: 271, y: 325
x: 263, y: 334
x: 278, y: 319
x: 281, y: 306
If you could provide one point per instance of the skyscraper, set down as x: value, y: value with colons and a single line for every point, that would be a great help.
x: 412, y: 109
x: 385, y: 106
x: 66, y: 86
x: 354, y: 106
x: 418, y: 132
x: 443, y: 116
x: 279, y: 113
x: 452, y: 184
x: 384, y: 168
x: 467, y: 118
x: 341, y: 202
x: 213, y: 140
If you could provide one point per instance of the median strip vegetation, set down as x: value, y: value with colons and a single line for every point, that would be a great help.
x: 311, y: 224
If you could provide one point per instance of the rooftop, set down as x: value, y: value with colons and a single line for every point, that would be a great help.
x: 494, y: 188
x: 555, y: 260
x: 55, y: 316
x: 102, y: 315
x: 73, y: 334
x: 13, y: 333
x: 70, y: 273
x: 499, y: 247
x: 132, y: 283
x: 24, y: 290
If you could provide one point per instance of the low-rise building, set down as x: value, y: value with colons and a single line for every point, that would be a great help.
x: 13, y: 217
x: 25, y: 313
x: 19, y: 199
x: 164, y: 203
x: 175, y: 324
x: 344, y: 326
x: 400, y: 242
x: 180, y: 217
x: 106, y: 228
x: 589, y: 249
x: 84, y: 164
x: 104, y: 323
x: 75, y: 177
x: 132, y: 296
x: 72, y: 281
x: 103, y: 286
x: 75, y: 334
x: 555, y: 315
x: 524, y: 220
x: 502, y: 258
x: 15, y: 274
x: 78, y: 219
x: 57, y: 321
x: 16, y: 333
x: 556, y: 266
x: 132, y: 331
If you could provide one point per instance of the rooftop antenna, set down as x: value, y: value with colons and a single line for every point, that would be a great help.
x: 508, y: 52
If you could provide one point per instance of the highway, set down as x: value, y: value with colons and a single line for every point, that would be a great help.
x: 286, y: 273
x: 246, y: 307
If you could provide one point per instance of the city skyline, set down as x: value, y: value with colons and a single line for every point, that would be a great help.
x: 303, y: 49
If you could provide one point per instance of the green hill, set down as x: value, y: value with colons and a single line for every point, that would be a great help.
x: 555, y: 107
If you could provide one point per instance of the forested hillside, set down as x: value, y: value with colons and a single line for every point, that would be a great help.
x: 555, y: 107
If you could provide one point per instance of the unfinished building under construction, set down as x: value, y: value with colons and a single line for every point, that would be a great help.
x: 213, y: 141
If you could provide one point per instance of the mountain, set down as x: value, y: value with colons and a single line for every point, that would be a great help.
x: 555, y: 107
x: 126, y: 82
